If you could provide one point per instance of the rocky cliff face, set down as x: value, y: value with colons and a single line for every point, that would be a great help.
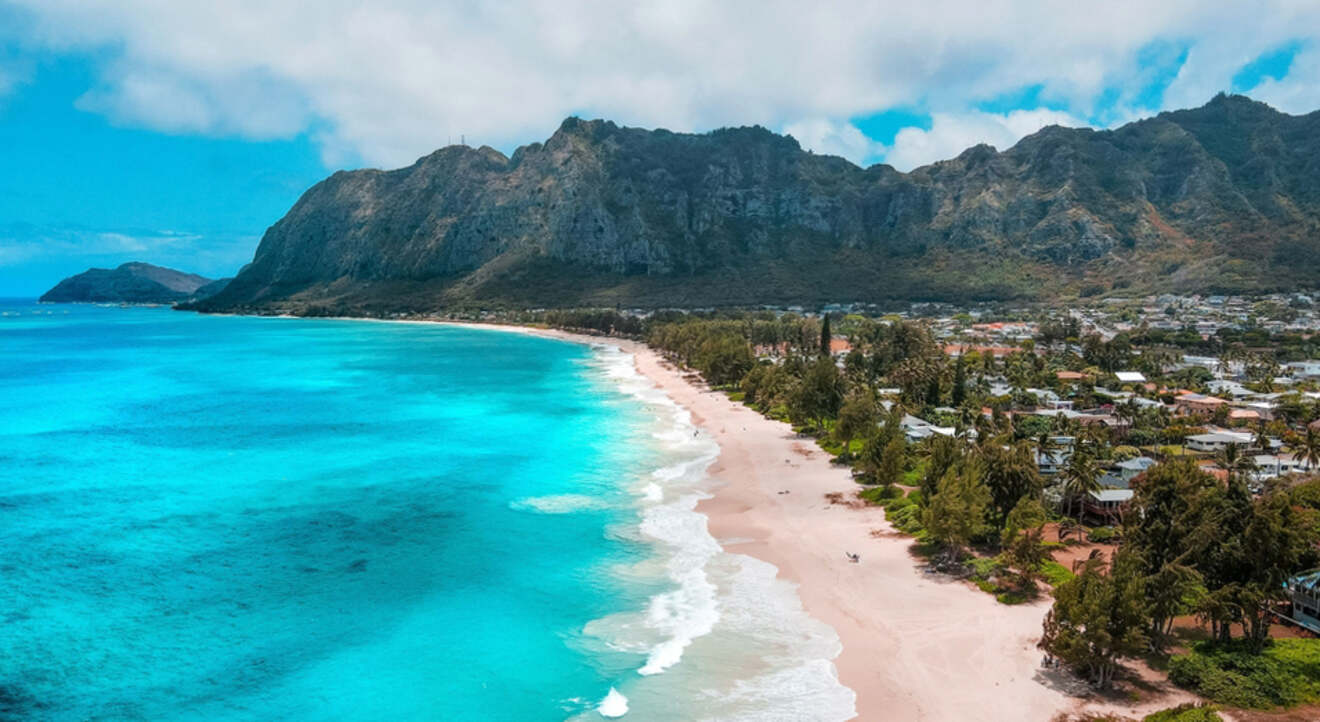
x: 1224, y: 197
x: 129, y: 283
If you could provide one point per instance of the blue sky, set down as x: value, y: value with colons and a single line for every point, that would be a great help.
x: 175, y: 133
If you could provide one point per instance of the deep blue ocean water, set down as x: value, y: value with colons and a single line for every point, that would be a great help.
x: 228, y: 518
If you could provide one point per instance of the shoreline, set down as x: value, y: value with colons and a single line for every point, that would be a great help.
x: 915, y: 646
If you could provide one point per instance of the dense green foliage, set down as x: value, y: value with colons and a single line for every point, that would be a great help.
x: 1285, y: 673
x: 1098, y: 619
x: 1185, y: 713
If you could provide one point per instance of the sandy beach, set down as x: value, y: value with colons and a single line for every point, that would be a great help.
x: 916, y: 646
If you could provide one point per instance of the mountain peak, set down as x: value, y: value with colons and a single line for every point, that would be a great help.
x: 602, y: 214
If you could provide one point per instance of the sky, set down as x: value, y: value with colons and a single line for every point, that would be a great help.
x: 176, y: 133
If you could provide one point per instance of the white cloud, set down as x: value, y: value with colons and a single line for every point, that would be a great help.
x: 950, y: 134
x: 210, y: 255
x: 391, y: 80
x: 832, y: 137
x: 1299, y: 91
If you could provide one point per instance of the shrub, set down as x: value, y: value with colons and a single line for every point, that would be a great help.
x: 1102, y: 534
x: 1185, y: 713
x: 874, y: 495
x: 906, y: 518
x: 1286, y: 674
x: 886, y: 496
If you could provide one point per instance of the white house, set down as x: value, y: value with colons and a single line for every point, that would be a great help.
x: 1269, y: 466
x: 1216, y: 440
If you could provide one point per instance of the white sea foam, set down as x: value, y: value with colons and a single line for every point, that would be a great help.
x: 558, y: 503
x: 614, y: 705
x: 728, y: 640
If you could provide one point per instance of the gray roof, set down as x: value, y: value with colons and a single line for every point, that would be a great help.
x: 1112, y: 495
x: 1140, y: 463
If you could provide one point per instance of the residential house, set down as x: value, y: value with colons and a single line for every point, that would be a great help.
x: 1191, y: 404
x: 1107, y: 504
x: 1304, y: 593
x: 1215, y: 441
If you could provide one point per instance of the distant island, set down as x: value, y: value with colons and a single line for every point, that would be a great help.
x: 1224, y: 198
x: 133, y: 283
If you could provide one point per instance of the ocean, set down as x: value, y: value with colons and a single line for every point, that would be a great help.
x: 241, y: 518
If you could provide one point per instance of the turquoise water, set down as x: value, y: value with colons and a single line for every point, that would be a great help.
x: 229, y: 518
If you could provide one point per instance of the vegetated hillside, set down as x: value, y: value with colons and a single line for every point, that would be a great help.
x: 1225, y: 197
x: 129, y: 283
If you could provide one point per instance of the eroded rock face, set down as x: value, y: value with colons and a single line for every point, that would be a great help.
x: 130, y: 283
x: 634, y: 209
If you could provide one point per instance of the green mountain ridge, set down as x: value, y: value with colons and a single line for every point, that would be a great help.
x: 1222, y: 198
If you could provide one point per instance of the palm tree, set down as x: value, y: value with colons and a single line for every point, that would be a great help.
x: 1127, y: 412
x: 1309, y: 448
x: 1232, y: 459
x: 1045, y: 446
x: 1080, y: 477
x: 1262, y: 439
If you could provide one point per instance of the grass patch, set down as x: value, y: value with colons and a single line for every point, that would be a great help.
x: 913, y: 476
x: 831, y: 447
x: 883, y: 496
x: 1012, y: 596
x: 1055, y: 573
x: 1184, y: 713
x: 906, y: 518
x: 737, y: 395
x: 902, y: 509
x: 1286, y: 674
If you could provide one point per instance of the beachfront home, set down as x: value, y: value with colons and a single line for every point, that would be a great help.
x: 1304, y: 595
x: 917, y: 429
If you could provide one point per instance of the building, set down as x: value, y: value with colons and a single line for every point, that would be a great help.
x: 1304, y: 596
x: 1304, y: 369
x: 1108, y: 504
x: 1269, y: 466
x: 916, y: 429
x: 1229, y: 388
x: 1214, y: 441
x: 1192, y: 404
x: 1130, y: 377
x: 1130, y: 469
